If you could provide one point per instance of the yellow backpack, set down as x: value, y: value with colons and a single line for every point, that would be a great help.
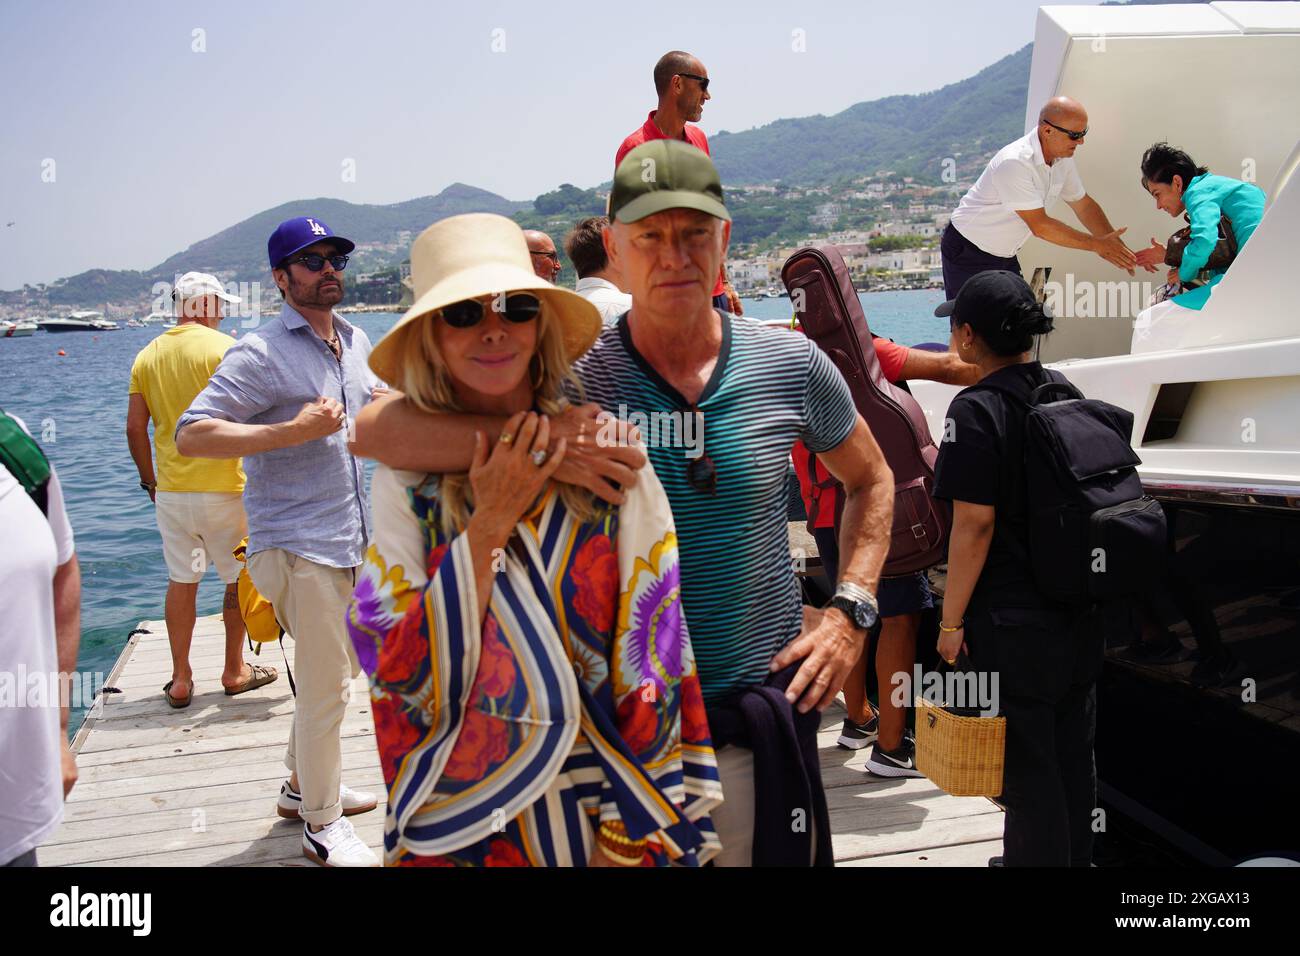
x: 259, y: 617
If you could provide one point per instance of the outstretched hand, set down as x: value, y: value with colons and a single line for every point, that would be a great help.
x: 1111, y: 248
x: 1151, y: 257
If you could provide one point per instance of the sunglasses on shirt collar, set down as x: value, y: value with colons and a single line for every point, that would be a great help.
x: 1075, y: 134
x: 518, y: 308
x: 701, y: 473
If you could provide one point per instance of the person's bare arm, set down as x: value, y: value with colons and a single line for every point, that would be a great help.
x: 968, y: 548
x: 67, y: 634
x: 943, y: 367
x: 1108, y: 245
x: 598, y: 457
x: 137, y: 438
x: 830, y: 643
x: 1092, y: 215
x: 215, y: 438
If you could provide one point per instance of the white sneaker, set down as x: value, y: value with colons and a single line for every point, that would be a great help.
x: 354, y: 801
x: 337, y: 845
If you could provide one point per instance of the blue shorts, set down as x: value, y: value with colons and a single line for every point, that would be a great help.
x: 909, y: 594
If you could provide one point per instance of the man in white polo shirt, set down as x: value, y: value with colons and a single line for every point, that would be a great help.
x: 598, y: 281
x: 1006, y: 205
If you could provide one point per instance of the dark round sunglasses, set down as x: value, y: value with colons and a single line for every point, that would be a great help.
x: 315, y: 263
x: 519, y: 308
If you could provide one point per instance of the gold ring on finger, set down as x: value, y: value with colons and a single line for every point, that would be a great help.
x: 507, y: 438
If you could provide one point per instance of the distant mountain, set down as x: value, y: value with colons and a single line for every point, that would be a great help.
x: 383, y: 234
x: 909, y: 134
x: 242, y: 248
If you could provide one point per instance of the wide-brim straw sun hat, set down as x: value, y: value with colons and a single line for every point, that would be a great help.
x: 470, y: 256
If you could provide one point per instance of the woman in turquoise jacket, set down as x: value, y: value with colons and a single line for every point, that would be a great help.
x: 1179, y: 186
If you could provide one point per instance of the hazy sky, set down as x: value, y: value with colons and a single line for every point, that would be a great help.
x: 156, y: 146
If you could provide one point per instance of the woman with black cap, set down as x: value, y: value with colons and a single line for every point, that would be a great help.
x: 1042, y: 661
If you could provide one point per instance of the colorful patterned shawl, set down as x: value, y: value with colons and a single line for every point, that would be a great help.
x: 584, y: 646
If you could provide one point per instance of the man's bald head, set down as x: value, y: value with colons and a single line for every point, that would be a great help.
x: 541, y: 249
x: 1059, y: 117
x: 1064, y: 111
x: 671, y: 64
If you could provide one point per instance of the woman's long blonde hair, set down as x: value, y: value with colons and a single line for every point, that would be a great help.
x: 424, y: 379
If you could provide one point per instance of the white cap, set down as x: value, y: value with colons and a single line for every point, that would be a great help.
x: 195, y: 285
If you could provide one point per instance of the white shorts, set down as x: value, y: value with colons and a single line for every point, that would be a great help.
x: 200, y: 529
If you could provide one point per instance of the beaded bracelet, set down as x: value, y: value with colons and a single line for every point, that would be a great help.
x: 613, y: 840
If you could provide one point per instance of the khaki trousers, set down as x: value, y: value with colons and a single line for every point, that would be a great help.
x: 734, y: 818
x: 311, y: 601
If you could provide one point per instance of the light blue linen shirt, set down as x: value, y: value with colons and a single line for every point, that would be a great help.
x: 309, y: 499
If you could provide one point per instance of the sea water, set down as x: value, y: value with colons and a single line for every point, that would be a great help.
x: 75, y: 404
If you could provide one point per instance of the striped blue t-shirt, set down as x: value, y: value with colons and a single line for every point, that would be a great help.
x: 770, y: 386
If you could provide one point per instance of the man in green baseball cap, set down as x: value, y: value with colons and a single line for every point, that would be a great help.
x: 753, y: 389
x: 669, y: 224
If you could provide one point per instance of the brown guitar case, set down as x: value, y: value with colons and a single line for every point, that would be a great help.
x: 831, y: 315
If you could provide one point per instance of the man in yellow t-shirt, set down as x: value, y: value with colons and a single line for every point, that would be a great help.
x: 198, y: 501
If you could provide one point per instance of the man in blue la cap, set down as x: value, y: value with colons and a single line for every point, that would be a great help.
x: 306, y: 507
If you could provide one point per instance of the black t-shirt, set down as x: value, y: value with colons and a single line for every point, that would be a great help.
x: 981, y: 461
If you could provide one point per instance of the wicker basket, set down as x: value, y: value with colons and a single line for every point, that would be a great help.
x: 963, y: 756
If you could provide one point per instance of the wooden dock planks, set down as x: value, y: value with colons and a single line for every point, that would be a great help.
x: 197, y: 787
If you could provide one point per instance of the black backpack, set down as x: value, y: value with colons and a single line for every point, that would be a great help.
x: 1093, y: 534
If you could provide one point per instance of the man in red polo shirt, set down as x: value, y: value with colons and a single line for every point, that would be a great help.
x: 901, y: 599
x: 682, y: 83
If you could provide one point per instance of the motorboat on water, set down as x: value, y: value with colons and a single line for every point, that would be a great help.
x: 79, y: 322
x: 16, y: 329
x: 157, y: 318
x: 1197, y: 736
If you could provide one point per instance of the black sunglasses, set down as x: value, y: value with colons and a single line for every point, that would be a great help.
x: 519, y: 308
x: 315, y: 263
x: 1072, y: 133
x: 553, y: 256
x: 702, y: 80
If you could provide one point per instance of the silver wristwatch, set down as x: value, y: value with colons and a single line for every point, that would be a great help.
x: 857, y: 603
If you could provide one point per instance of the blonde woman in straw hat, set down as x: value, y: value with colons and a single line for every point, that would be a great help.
x: 533, y: 685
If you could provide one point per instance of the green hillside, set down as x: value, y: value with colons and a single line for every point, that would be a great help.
x: 908, y: 134
x: 242, y: 247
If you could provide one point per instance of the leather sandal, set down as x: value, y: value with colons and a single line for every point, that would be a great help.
x: 260, y: 676
x: 177, y: 702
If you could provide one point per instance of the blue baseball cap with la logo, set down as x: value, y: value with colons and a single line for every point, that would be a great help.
x: 293, y: 235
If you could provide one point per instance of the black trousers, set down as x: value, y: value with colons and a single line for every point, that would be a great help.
x: 962, y: 259
x: 1046, y: 664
